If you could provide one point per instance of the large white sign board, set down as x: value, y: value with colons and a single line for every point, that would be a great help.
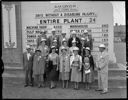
x: 96, y: 17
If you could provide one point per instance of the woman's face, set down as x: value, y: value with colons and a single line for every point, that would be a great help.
x: 86, y: 52
x: 63, y: 51
x: 75, y: 52
x: 73, y: 44
x: 65, y: 43
x: 43, y: 43
x: 38, y: 53
x: 55, y: 43
x: 53, y: 50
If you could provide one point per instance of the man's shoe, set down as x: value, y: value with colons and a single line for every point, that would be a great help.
x: 25, y: 85
x: 98, y: 89
x: 104, y: 92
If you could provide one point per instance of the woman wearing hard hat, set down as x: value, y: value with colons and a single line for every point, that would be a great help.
x: 27, y: 65
x: 74, y: 37
x: 88, y: 40
x: 44, y: 53
x: 64, y: 67
x: 76, y: 66
x: 102, y: 67
x: 88, y: 68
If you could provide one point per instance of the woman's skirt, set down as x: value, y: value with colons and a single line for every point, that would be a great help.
x: 64, y: 76
x: 76, y: 75
x: 53, y: 74
x: 89, y: 78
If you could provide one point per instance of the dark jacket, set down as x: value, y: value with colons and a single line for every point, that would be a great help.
x: 27, y: 64
x: 91, y: 61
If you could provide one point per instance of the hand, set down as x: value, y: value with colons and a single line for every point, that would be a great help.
x: 99, y: 68
x: 57, y: 69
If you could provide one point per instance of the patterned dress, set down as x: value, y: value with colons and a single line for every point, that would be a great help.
x: 64, y: 67
x: 75, y: 63
x: 88, y: 65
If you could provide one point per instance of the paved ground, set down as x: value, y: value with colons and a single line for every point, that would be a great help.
x: 14, y: 88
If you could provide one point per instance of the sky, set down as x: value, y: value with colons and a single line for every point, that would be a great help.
x: 119, y: 12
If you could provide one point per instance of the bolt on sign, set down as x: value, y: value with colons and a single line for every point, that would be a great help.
x: 65, y: 16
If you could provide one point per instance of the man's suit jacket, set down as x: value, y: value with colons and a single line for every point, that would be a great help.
x: 51, y: 38
x: 27, y: 64
x: 39, y: 40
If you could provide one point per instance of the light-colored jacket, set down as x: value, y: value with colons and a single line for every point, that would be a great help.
x: 66, y: 63
x: 102, y: 61
x: 72, y: 58
x: 44, y: 50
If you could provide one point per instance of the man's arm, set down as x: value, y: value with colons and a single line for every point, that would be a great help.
x: 105, y: 62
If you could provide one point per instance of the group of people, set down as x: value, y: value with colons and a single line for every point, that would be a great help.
x: 70, y: 60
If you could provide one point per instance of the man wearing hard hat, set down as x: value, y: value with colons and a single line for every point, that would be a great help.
x: 42, y: 35
x: 102, y: 68
x: 88, y: 39
x: 74, y: 37
x: 62, y: 37
x: 53, y: 37
x: 27, y: 66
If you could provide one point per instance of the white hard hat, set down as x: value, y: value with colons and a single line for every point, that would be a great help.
x: 53, y: 29
x: 85, y: 31
x: 64, y: 39
x: 73, y: 32
x: 101, y: 46
x: 28, y: 47
x: 53, y: 47
x: 75, y: 48
x: 54, y: 40
x: 87, y: 48
x: 82, y: 38
x: 63, y: 48
x: 43, y: 39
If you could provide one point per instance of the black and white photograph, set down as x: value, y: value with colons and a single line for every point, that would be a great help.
x: 63, y: 50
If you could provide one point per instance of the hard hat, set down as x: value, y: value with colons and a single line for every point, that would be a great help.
x: 28, y: 47
x: 53, y: 29
x: 87, y: 48
x: 85, y: 31
x: 54, y: 40
x: 53, y: 47
x: 43, y: 39
x: 37, y: 50
x: 64, y: 40
x: 73, y: 32
x: 82, y: 38
x: 75, y: 48
x: 101, y: 46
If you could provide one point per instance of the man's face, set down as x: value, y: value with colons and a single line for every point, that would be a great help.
x: 63, y: 35
x: 85, y: 34
x: 73, y: 35
x: 28, y: 50
x: 101, y: 49
x: 54, y: 32
x: 38, y: 53
x: 75, y: 52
